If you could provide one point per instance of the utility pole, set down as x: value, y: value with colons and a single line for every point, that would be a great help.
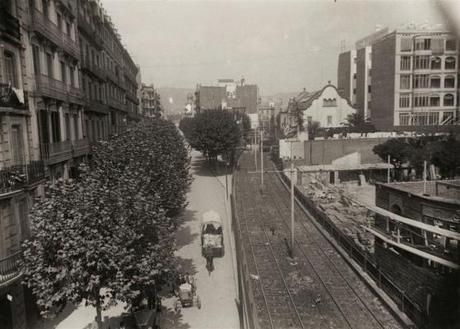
x: 261, y: 160
x: 292, y: 206
x: 255, y: 147
x: 388, y: 171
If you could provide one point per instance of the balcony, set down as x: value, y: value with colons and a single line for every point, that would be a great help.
x: 17, y: 177
x: 9, y: 26
x: 93, y: 68
x: 10, y: 268
x: 80, y: 147
x: 57, y: 89
x: 97, y: 106
x: 117, y: 104
x: 49, y: 30
x: 56, y: 152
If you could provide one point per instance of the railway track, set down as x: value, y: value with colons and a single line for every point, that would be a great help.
x: 318, y: 290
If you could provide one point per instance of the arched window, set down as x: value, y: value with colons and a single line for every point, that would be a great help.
x: 435, y: 81
x: 435, y: 100
x: 448, y: 100
x: 449, y: 81
x: 450, y: 63
x: 436, y: 63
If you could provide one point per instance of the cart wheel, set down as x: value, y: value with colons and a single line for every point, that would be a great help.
x: 198, y: 302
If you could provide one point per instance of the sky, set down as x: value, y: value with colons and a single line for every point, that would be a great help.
x: 282, y: 46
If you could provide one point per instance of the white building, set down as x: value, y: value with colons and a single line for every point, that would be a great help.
x: 325, y: 106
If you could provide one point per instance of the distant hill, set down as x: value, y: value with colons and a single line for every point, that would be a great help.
x: 280, y: 99
x: 174, y: 99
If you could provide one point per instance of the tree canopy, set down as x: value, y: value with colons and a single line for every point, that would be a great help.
x: 213, y: 132
x: 443, y: 153
x: 108, y: 235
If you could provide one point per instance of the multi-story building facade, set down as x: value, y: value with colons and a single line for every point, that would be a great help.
x: 151, y: 106
x: 56, y: 101
x: 415, y: 80
x: 64, y: 79
x: 108, y: 74
x: 228, y: 94
x: 21, y: 170
x: 346, y: 75
x: 354, y: 73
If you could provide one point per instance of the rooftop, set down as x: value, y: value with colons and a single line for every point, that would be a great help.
x: 440, y: 190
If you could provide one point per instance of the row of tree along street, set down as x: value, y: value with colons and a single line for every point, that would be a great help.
x: 108, y: 236
x: 215, y: 132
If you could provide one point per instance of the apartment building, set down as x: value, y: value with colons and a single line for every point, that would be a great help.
x: 346, y: 75
x: 56, y: 102
x: 21, y: 169
x: 415, y: 80
x: 151, y: 107
x: 354, y: 73
x: 108, y: 74
x: 228, y: 94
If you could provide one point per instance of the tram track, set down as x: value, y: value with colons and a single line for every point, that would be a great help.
x: 330, y: 298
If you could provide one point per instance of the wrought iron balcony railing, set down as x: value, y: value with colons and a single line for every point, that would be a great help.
x: 51, y: 31
x: 10, y: 268
x: 17, y: 177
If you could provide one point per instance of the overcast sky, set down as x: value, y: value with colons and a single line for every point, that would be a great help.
x: 281, y: 46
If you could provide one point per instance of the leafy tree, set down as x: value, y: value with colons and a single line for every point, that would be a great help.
x: 354, y: 120
x: 215, y: 133
x: 446, y: 156
x: 398, y: 150
x: 112, y: 230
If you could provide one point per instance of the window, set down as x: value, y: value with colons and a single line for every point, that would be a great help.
x: 404, y: 119
x: 449, y: 81
x: 63, y: 72
x: 10, y: 69
x: 405, y: 63
x: 329, y: 102
x: 447, y: 117
x: 435, y: 81
x: 422, y: 62
x: 405, y: 81
x: 17, y: 145
x: 436, y: 63
x: 36, y: 59
x: 421, y: 100
x: 59, y: 21
x: 435, y: 100
x: 55, y: 127
x: 309, y: 120
x: 422, y: 44
x: 45, y: 4
x: 451, y: 44
x: 67, y: 126
x: 404, y: 100
x: 406, y: 44
x: 448, y: 100
x: 450, y: 63
x: 421, y: 81
x: 425, y: 118
x: 49, y: 64
x: 329, y: 120
x: 369, y: 88
x: 437, y: 46
x: 69, y: 29
x: 75, y: 126
x: 72, y: 76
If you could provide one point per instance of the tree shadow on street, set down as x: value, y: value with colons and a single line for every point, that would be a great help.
x: 54, y: 322
x: 184, y: 236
